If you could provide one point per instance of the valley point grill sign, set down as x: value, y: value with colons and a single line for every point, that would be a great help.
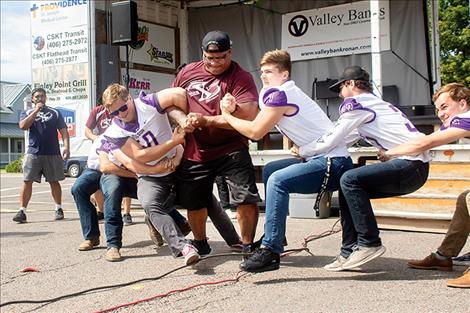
x: 333, y: 31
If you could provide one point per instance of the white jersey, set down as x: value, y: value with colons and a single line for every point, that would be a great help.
x: 461, y: 121
x: 307, y: 123
x: 100, y: 144
x: 151, y: 128
x: 374, y: 120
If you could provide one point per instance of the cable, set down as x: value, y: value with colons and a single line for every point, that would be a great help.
x: 239, y: 275
x: 79, y: 293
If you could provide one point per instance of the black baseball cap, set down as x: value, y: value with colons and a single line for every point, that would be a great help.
x: 350, y: 73
x: 218, y: 38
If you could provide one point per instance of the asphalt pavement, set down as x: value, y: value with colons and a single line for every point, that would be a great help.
x: 301, y: 284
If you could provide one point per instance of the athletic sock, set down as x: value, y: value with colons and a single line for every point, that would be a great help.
x: 440, y: 256
x: 58, y: 206
x: 23, y: 209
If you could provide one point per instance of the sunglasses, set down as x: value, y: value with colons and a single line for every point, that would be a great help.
x: 123, y: 108
x: 215, y: 59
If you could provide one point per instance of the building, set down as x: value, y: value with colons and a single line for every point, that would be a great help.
x: 13, y: 97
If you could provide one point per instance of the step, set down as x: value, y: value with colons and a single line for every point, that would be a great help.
x: 442, y: 185
x: 453, y: 170
x: 410, y: 203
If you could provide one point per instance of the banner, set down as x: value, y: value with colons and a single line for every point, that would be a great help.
x: 333, y: 31
x: 60, y: 54
x: 146, y: 81
x: 155, y: 46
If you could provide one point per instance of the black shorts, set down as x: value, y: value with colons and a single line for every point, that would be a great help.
x: 195, y: 181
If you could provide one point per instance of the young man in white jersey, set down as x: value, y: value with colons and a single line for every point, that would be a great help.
x: 364, y: 115
x: 145, y: 120
x: 299, y: 118
x: 452, y: 103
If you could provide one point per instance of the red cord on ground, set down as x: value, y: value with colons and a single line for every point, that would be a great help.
x: 162, y: 295
x: 29, y: 269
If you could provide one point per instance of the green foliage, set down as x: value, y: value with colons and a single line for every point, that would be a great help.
x: 454, y: 29
x: 15, y: 166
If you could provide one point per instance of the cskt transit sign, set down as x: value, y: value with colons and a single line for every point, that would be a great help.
x: 333, y: 31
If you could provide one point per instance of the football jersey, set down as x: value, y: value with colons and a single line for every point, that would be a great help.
x: 461, y: 121
x: 100, y: 144
x: 307, y: 123
x: 151, y: 127
x: 386, y: 126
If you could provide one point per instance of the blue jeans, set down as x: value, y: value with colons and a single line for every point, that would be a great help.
x: 114, y: 188
x: 293, y: 176
x: 86, y: 185
x: 381, y: 180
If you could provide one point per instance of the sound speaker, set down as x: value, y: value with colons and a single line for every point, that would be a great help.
x: 124, y: 22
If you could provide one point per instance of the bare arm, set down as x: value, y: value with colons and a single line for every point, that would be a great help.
x: 433, y: 140
x: 108, y: 167
x: 175, y: 97
x: 26, y: 123
x: 89, y: 134
x: 136, y: 152
x: 244, y: 111
x: 164, y: 166
x: 66, y: 140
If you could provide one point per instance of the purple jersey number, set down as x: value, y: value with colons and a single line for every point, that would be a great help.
x: 149, y: 139
x: 408, y: 124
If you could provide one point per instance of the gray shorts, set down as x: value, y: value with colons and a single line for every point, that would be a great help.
x: 35, y: 166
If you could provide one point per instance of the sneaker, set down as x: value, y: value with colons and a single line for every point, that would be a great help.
x: 89, y: 244
x: 336, y: 265
x: 248, y: 249
x: 100, y: 215
x: 460, y: 282
x: 237, y: 247
x: 153, y: 233
x: 190, y: 254
x: 185, y: 228
x: 432, y: 262
x: 261, y: 260
x: 59, y: 215
x: 463, y: 260
x: 127, y: 219
x: 363, y: 255
x: 113, y: 255
x: 202, y: 247
x: 20, y: 217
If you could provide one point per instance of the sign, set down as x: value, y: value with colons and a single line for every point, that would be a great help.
x: 155, y: 46
x: 146, y: 81
x: 333, y: 31
x: 60, y: 54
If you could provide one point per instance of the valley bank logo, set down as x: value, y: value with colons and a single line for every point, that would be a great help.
x: 298, y: 25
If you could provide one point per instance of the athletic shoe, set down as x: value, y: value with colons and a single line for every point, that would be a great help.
x: 113, y: 255
x: 237, y: 247
x: 127, y: 219
x: 100, y: 215
x: 20, y: 217
x: 432, y: 262
x: 190, y: 254
x: 153, y: 232
x: 363, y: 255
x: 59, y: 215
x: 336, y: 265
x: 262, y: 260
x: 89, y: 244
x: 248, y: 249
x: 463, y: 260
x: 460, y: 282
x: 202, y: 247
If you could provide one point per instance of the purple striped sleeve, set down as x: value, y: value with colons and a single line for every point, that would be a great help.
x: 152, y: 100
x: 275, y: 98
x: 115, y: 143
x: 460, y: 122
x: 350, y: 104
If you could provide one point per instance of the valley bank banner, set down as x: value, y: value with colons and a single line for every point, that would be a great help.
x: 60, y: 54
x: 333, y: 31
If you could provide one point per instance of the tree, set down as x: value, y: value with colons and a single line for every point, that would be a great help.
x: 454, y: 29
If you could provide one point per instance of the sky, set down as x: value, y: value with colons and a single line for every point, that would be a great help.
x: 15, y: 41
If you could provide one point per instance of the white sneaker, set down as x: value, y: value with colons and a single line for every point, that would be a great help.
x: 190, y: 254
x: 336, y: 265
x: 362, y: 255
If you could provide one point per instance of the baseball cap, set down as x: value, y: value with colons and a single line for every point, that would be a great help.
x: 218, y: 38
x: 350, y: 73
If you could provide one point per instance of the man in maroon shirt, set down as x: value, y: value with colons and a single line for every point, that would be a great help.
x: 213, y: 148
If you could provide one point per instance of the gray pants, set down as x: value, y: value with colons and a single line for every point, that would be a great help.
x: 156, y: 194
x: 222, y: 222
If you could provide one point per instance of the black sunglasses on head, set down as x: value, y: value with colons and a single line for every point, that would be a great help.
x: 123, y: 108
